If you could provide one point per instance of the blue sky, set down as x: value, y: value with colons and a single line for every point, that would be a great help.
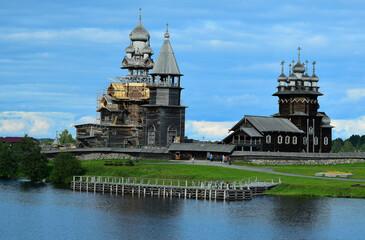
x: 56, y: 55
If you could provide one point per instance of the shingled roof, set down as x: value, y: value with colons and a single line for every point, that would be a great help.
x: 166, y: 63
x: 270, y: 124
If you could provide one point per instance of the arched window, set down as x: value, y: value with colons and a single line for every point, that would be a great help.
x: 287, y: 140
x: 311, y: 130
x: 315, y: 141
x: 280, y: 139
x: 268, y: 139
x: 171, y: 134
x: 304, y: 140
x: 295, y: 140
x: 151, y: 136
x: 325, y: 140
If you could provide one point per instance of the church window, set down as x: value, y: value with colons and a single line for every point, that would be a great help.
x: 287, y: 140
x: 311, y: 130
x: 151, y: 135
x: 280, y: 139
x: 268, y: 139
x: 171, y: 134
x: 325, y: 140
x: 315, y: 141
x: 304, y: 140
x: 295, y: 140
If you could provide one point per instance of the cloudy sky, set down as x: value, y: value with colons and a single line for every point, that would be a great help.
x: 55, y: 56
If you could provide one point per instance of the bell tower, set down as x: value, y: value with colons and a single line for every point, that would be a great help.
x: 164, y: 117
x: 298, y: 101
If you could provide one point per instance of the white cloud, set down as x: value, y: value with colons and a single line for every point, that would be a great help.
x: 354, y: 94
x: 346, y: 128
x: 38, y: 124
x: 208, y: 130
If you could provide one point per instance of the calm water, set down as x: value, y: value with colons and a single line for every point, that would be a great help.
x: 41, y: 211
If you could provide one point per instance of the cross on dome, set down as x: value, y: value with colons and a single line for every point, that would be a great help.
x: 299, y: 53
x: 282, y: 66
x: 306, y: 66
x: 140, y: 14
x: 167, y: 34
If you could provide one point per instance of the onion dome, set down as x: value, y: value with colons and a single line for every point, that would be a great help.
x: 326, y: 120
x: 147, y: 50
x: 314, y: 78
x: 139, y: 33
x: 306, y: 77
x: 129, y: 49
x: 292, y: 77
x: 298, y: 67
x: 282, y: 77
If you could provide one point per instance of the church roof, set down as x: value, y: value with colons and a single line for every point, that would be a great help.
x: 298, y: 67
x: 166, y: 63
x: 139, y: 33
x: 56, y: 142
x: 270, y: 124
x: 251, y: 131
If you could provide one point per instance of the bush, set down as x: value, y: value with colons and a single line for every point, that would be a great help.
x: 65, y: 166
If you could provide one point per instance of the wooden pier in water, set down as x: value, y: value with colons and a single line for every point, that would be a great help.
x: 236, y: 191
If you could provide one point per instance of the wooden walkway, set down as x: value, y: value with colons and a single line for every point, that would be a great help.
x: 236, y: 191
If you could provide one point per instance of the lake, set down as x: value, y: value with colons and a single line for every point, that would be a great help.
x: 42, y: 211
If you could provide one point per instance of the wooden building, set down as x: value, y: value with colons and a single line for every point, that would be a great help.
x: 120, y: 107
x: 257, y: 133
x: 298, y: 105
x: 164, y: 117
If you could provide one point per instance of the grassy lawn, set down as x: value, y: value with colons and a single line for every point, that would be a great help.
x: 290, y: 186
x: 356, y: 168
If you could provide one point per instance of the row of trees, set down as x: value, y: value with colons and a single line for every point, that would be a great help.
x: 355, y: 143
x: 25, y: 159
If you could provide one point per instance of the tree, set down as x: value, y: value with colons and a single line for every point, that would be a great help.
x: 32, y: 162
x: 65, y: 166
x: 348, y: 147
x: 362, y: 148
x: 8, y: 164
x: 355, y: 141
x: 66, y: 137
x: 337, y: 145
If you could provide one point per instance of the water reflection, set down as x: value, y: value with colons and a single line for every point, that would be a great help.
x: 42, y: 211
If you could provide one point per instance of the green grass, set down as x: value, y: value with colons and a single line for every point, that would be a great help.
x: 291, y: 185
x: 358, y: 169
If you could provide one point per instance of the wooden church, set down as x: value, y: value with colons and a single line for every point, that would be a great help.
x: 141, y: 108
x: 297, y: 127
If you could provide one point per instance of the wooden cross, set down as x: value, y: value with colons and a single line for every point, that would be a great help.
x: 282, y: 66
x: 314, y: 67
x: 140, y: 9
x: 306, y: 66
x: 299, y: 53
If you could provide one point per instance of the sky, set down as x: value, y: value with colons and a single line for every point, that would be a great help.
x: 56, y: 56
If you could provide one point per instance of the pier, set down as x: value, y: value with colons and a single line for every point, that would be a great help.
x: 236, y: 190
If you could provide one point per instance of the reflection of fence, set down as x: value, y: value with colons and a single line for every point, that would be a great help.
x: 235, y: 190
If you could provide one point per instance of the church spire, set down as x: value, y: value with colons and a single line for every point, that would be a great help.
x: 167, y: 34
